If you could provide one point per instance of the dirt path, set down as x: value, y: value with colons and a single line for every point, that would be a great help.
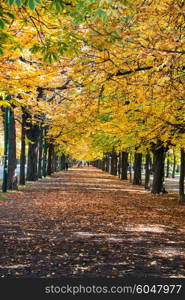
x: 86, y: 223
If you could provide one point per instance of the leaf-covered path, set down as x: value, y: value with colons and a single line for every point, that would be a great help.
x: 87, y: 223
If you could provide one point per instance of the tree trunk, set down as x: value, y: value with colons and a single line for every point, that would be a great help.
x: 137, y: 169
x: 147, y: 172
x: 54, y: 162
x: 33, y: 135
x: 57, y: 164
x: 168, y: 166
x: 103, y: 163
x: 182, y: 177
x: 107, y: 164
x: 44, y: 167
x: 32, y: 174
x: 116, y: 165
x: 174, y: 165
x: 50, y: 158
x: 130, y: 168
x: 62, y: 162
x: 113, y: 163
x: 22, y: 179
x: 124, y: 165
x: 12, y: 163
x: 158, y: 170
x: 40, y: 154
x: 119, y: 165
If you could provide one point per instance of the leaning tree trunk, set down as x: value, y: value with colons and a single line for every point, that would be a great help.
x: 22, y: 179
x: 137, y: 169
x: 12, y: 153
x: 147, y: 172
x: 124, y: 165
x: 182, y: 177
x: 158, y: 170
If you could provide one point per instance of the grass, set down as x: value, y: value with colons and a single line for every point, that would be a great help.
x: 3, y: 196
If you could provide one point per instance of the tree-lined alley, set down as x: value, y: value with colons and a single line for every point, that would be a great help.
x: 93, y: 79
x: 101, y: 83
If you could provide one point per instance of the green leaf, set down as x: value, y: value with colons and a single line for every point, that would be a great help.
x: 18, y: 2
x: 31, y: 4
x: 35, y: 48
x: 38, y: 1
x: 100, y: 13
x: 1, y: 51
x: 6, y: 21
x: 57, y: 4
x: 1, y: 24
x: 10, y: 2
x: 10, y: 15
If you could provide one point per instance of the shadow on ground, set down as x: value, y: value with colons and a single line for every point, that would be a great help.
x: 86, y: 223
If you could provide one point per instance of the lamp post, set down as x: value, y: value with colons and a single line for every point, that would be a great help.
x: 6, y: 145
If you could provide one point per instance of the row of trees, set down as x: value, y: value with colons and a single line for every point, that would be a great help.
x: 38, y: 157
x: 139, y: 168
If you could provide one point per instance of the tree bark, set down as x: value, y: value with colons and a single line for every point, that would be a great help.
x: 22, y: 178
x: 182, y: 177
x: 130, y: 167
x: 54, y: 161
x: 116, y: 165
x: 124, y: 165
x: 62, y: 162
x: 103, y: 163
x: 113, y: 163
x: 57, y: 164
x: 158, y: 170
x: 137, y: 169
x: 33, y: 134
x: 44, y: 167
x: 40, y: 154
x: 107, y: 163
x: 32, y: 174
x: 147, y: 172
x: 174, y: 165
x: 12, y: 162
x: 167, y: 166
x: 50, y: 158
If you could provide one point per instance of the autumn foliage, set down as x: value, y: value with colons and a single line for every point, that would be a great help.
x: 101, y: 76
